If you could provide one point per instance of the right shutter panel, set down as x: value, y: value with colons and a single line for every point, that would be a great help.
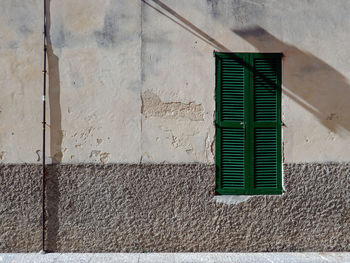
x: 265, y: 158
x: 267, y: 124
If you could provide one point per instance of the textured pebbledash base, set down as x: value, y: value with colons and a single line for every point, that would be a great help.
x: 171, y: 208
x: 321, y: 257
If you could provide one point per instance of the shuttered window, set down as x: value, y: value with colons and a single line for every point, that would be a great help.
x: 248, y: 123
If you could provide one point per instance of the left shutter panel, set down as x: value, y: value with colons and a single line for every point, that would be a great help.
x: 230, y: 129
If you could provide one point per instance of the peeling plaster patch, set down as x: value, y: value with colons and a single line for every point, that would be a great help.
x: 58, y: 156
x: 331, y: 136
x: 332, y: 116
x: 37, y: 152
x: 189, y: 150
x: 147, y: 154
x: 91, y: 117
x: 2, y: 155
x: 152, y: 106
x: 104, y: 157
x: 182, y: 138
x: 82, y: 138
x: 94, y: 153
x: 209, y: 148
x: 181, y: 142
x: 212, y: 147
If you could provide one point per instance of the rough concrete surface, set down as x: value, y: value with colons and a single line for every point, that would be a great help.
x: 322, y: 257
x: 171, y: 208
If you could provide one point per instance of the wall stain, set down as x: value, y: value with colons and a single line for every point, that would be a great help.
x: 107, y: 36
x: 59, y: 39
x: 214, y: 7
x: 152, y: 106
x: 25, y: 30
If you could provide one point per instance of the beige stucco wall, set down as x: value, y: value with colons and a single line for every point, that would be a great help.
x: 133, y: 81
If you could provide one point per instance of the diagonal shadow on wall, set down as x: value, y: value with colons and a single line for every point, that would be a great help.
x: 185, y: 24
x: 312, y: 83
x: 309, y: 81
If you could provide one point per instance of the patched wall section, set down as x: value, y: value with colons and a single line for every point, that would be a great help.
x: 93, y: 91
x: 99, y: 65
x: 179, y: 36
x: 106, y: 56
x: 170, y: 208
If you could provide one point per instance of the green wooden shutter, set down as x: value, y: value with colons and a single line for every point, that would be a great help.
x: 231, y: 78
x: 267, y: 123
x: 248, y: 123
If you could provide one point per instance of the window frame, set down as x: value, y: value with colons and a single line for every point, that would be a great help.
x: 247, y: 61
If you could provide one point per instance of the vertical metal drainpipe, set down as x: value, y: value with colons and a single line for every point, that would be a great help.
x: 43, y: 143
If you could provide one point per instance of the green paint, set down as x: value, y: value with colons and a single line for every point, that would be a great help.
x: 248, y: 123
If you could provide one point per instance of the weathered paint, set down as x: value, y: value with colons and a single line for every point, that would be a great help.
x: 107, y: 56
